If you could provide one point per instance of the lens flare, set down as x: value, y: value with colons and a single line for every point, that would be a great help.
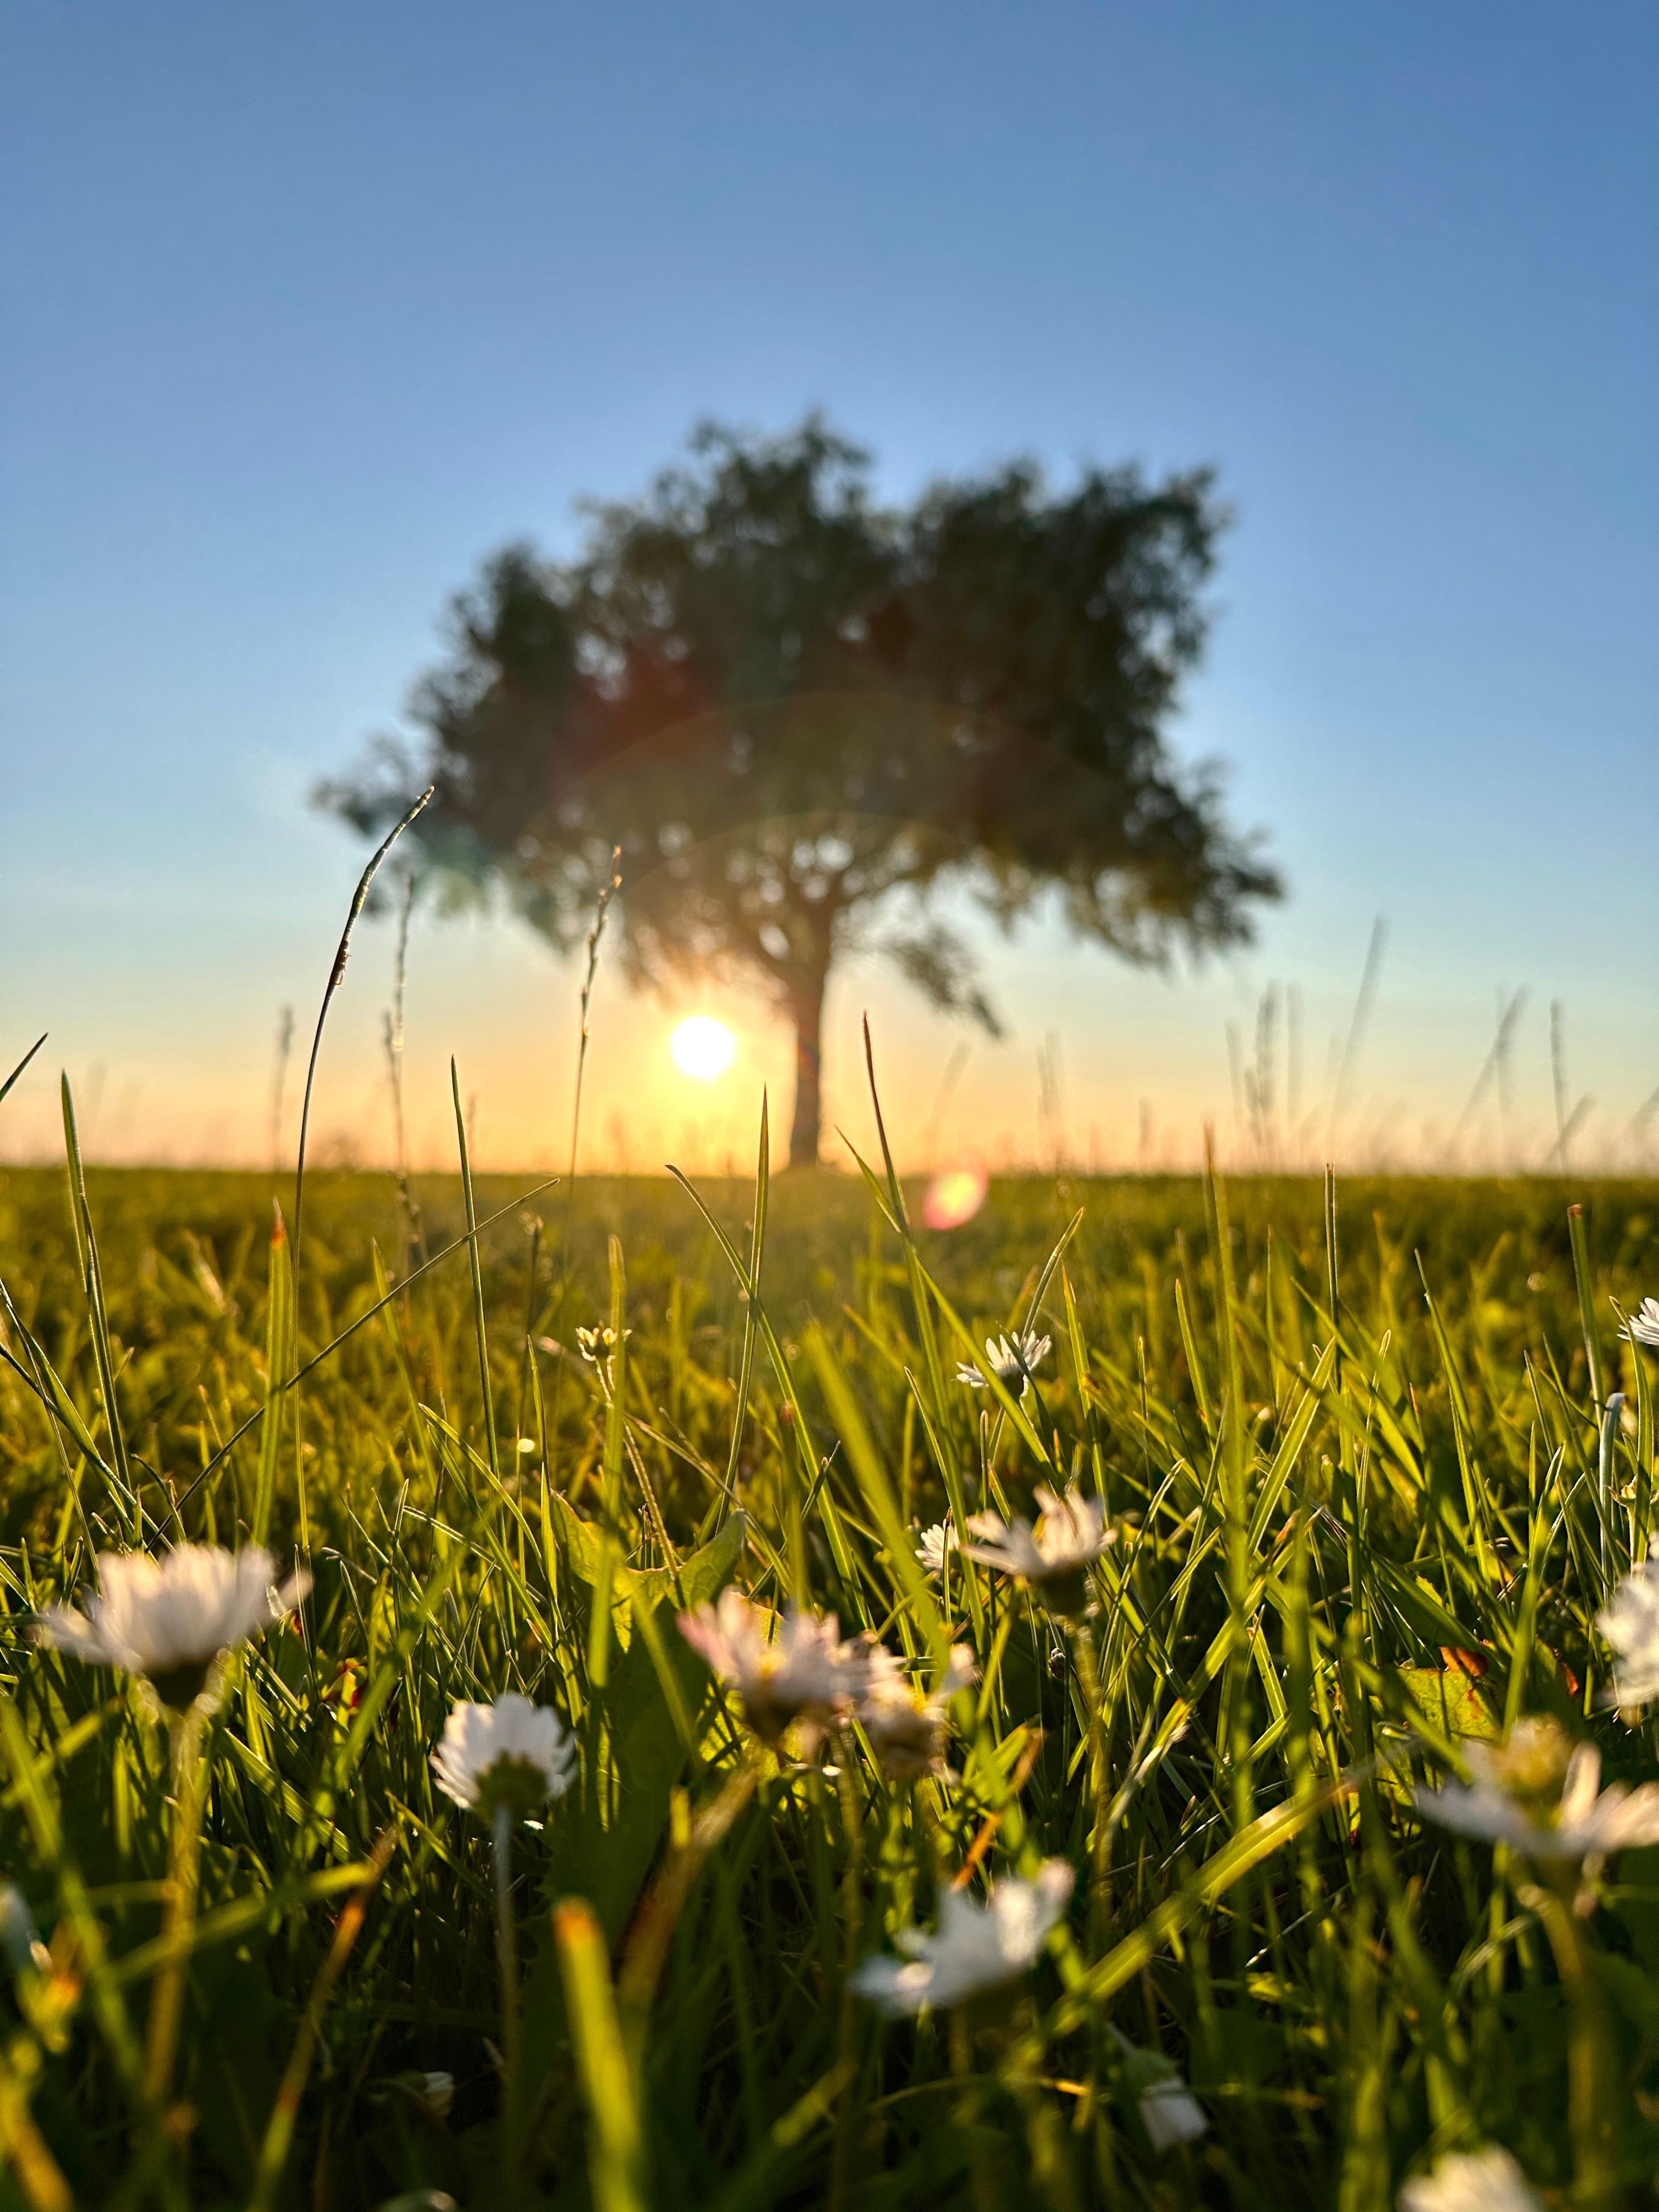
x: 702, y: 1048
x: 952, y: 1199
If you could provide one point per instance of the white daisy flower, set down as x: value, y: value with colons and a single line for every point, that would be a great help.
x: 934, y: 1547
x: 1643, y: 1327
x: 512, y: 1753
x: 1010, y: 1358
x: 1054, y: 1557
x: 1631, y: 1624
x: 803, y: 1677
x: 978, y: 1946
x: 1171, y: 2113
x: 1541, y: 1794
x: 1472, y: 2181
x: 171, y: 1619
x: 906, y: 1727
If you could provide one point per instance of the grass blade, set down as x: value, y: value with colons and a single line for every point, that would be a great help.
x: 5, y: 1087
x: 615, y: 2153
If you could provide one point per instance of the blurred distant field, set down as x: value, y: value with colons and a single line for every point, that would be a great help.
x: 1317, y: 1511
x: 184, y: 1260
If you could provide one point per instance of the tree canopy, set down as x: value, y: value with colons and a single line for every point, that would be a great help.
x: 799, y: 714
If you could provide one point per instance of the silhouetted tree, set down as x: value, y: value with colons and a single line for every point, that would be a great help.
x: 801, y: 715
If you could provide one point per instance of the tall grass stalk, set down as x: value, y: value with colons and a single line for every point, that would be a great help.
x: 602, y: 907
x: 415, y: 1237
x: 22, y: 1065
x: 336, y: 977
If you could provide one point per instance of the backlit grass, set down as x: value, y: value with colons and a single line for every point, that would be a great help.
x: 1366, y: 1511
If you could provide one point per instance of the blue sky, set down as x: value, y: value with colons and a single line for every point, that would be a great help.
x: 308, y: 310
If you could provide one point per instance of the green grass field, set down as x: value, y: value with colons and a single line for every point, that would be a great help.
x: 1331, y: 1467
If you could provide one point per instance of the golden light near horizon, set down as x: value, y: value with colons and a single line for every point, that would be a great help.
x: 702, y: 1048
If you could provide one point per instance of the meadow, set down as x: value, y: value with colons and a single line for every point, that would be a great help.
x: 1365, y: 1510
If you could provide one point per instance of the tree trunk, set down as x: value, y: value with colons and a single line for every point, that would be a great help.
x: 806, y: 1009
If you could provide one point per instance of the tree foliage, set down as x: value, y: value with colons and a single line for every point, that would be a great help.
x: 801, y: 714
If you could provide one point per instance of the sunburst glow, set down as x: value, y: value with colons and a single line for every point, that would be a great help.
x: 702, y: 1048
x: 954, y: 1198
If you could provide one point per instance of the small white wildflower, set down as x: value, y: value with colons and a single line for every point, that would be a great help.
x: 978, y: 1946
x: 1630, y: 1622
x: 804, y: 1677
x: 908, y: 1727
x: 435, y: 2092
x: 1541, y: 1794
x: 1171, y: 2113
x: 512, y: 1753
x: 171, y: 1619
x: 1169, y: 2110
x: 934, y: 1547
x: 597, y: 1344
x: 1643, y: 1327
x: 1054, y: 1557
x: 1472, y: 2181
x: 1010, y: 1358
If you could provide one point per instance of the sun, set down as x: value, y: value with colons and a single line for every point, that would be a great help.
x: 702, y: 1048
